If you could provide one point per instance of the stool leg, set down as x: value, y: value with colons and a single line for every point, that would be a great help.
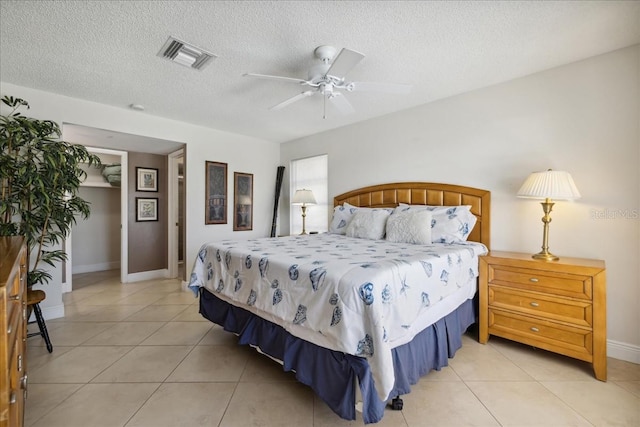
x: 42, y: 326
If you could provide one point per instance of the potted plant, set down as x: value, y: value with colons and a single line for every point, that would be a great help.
x: 39, y: 177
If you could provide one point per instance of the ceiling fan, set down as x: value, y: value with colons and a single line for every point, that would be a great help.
x: 328, y: 79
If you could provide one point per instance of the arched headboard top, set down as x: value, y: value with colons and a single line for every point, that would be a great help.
x: 426, y: 193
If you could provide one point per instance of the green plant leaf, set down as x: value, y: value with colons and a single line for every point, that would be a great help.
x: 39, y: 180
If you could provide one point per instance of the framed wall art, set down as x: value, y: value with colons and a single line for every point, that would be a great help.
x: 146, y: 179
x: 242, y: 201
x: 216, y: 193
x: 146, y: 209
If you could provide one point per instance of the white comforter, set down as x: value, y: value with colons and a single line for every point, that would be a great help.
x: 362, y: 297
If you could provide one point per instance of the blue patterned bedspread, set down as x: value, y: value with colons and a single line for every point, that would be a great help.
x: 358, y: 296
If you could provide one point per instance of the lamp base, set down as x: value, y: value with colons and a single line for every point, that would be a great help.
x: 545, y: 256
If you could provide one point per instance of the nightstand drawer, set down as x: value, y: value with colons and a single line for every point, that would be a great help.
x: 553, y: 282
x: 530, y: 303
x: 576, y: 342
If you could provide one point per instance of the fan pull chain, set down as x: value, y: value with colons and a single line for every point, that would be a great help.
x: 324, y: 106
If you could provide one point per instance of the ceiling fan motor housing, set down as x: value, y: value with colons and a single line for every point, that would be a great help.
x: 325, y: 53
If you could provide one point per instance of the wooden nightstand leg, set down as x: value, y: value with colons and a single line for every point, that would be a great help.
x: 600, y: 370
x: 600, y: 332
x: 600, y: 367
x: 483, y: 302
x: 483, y: 330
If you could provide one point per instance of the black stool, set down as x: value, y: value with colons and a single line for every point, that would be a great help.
x: 34, y: 298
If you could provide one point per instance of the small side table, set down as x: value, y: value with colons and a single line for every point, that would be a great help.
x: 558, y: 306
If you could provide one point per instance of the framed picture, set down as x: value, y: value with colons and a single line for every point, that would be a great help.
x: 216, y: 193
x: 146, y: 209
x: 146, y: 179
x: 242, y: 201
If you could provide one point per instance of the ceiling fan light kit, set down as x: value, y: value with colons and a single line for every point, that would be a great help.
x: 327, y: 78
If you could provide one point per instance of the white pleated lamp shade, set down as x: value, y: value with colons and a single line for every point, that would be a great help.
x: 303, y: 197
x: 550, y: 184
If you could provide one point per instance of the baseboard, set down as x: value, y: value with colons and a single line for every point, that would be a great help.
x: 623, y: 351
x: 90, y: 268
x: 148, y: 275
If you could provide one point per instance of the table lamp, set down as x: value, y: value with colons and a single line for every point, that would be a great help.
x: 303, y: 197
x: 548, y: 185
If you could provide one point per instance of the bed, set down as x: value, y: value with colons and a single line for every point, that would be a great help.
x: 345, y: 312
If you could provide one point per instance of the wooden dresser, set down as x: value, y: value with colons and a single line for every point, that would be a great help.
x: 13, y: 309
x: 558, y: 306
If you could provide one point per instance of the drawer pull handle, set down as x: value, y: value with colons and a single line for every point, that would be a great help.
x: 534, y: 329
x: 23, y: 382
x: 534, y: 304
x: 20, y: 362
x: 534, y: 280
x: 13, y: 398
x: 14, y: 297
x: 9, y: 329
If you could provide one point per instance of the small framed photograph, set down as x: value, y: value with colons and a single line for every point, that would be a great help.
x: 242, y: 201
x: 146, y: 179
x: 216, y: 193
x: 146, y: 209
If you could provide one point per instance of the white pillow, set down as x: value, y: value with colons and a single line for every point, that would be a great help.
x: 341, y: 217
x: 410, y: 227
x: 449, y: 224
x: 368, y: 224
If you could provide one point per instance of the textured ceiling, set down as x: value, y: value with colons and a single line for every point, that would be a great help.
x: 105, y: 51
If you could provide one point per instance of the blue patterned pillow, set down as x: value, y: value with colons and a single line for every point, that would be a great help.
x: 341, y: 217
x: 449, y: 224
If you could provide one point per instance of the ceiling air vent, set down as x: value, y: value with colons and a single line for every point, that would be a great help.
x: 185, y: 54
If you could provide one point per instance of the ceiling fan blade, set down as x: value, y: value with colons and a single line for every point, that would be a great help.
x: 381, y: 87
x: 341, y: 103
x: 291, y: 100
x: 281, y: 78
x: 344, y: 62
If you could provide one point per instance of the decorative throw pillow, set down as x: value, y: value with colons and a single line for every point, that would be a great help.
x: 453, y: 225
x: 449, y: 224
x: 341, y: 217
x: 410, y: 227
x: 368, y: 224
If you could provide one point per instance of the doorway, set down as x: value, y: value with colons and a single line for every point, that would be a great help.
x: 99, y: 243
x: 122, y: 144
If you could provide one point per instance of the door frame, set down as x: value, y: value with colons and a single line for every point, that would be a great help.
x: 173, y: 212
x: 67, y: 285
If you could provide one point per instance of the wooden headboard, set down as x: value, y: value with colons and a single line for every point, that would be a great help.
x: 426, y: 193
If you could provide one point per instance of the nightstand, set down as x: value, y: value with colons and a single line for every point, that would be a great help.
x: 558, y: 306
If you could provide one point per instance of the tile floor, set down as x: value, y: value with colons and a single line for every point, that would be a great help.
x: 141, y: 355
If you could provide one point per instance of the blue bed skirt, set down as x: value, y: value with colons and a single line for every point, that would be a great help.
x: 332, y: 374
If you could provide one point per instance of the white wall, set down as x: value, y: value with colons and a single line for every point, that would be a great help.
x: 96, y: 240
x: 583, y: 118
x: 241, y: 153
